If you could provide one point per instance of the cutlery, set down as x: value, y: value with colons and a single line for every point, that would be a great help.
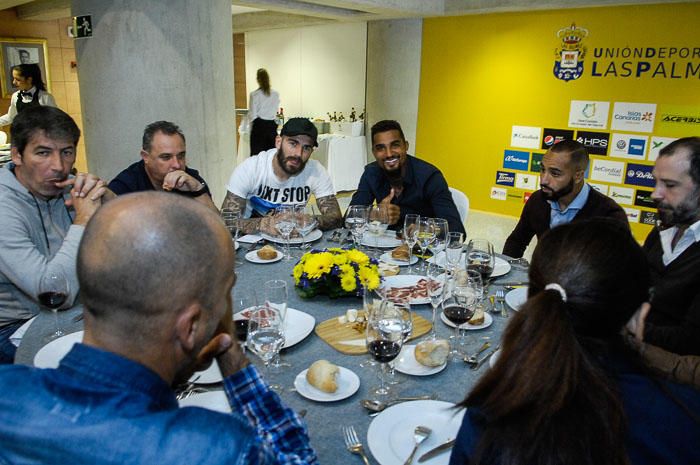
x: 378, y: 406
x: 353, y: 444
x: 435, y: 451
x: 501, y: 299
x: 514, y: 283
x: 474, y: 358
x: 78, y: 317
x: 483, y: 360
x: 420, y: 434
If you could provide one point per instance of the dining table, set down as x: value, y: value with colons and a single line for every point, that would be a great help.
x: 325, y: 420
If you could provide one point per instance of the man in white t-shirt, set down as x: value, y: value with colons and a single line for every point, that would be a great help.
x: 283, y: 176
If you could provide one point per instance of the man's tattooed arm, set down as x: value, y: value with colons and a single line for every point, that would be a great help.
x: 330, y: 217
x: 248, y: 225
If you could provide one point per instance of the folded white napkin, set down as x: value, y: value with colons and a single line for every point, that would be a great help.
x: 250, y: 238
x: 17, y: 336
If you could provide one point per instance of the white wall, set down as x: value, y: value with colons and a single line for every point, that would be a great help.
x: 316, y: 69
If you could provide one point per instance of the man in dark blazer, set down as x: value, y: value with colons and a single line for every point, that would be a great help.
x: 563, y: 197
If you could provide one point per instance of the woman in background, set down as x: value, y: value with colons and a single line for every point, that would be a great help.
x: 565, y: 388
x: 262, y: 110
x: 32, y: 91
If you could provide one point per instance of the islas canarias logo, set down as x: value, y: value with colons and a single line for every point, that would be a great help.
x: 568, y: 61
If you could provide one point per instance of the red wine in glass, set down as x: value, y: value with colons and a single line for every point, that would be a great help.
x: 484, y: 270
x: 241, y: 327
x: 384, y: 351
x: 458, y: 314
x: 52, y: 300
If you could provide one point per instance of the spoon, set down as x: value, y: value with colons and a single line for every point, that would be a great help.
x: 472, y: 359
x: 378, y: 405
x: 420, y: 434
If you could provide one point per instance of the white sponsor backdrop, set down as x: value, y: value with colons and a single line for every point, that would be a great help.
x: 526, y: 181
x: 602, y: 188
x: 633, y: 117
x: 631, y: 146
x: 588, y: 114
x: 656, y: 144
x: 608, y: 171
x: 622, y: 195
x: 498, y: 193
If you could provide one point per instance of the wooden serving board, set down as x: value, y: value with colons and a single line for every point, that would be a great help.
x: 339, y: 335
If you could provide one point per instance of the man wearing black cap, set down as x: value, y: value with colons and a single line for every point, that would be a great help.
x: 283, y: 176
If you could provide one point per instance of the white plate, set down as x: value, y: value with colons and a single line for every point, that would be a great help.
x: 236, y: 245
x: 348, y: 384
x: 405, y: 280
x: 406, y: 363
x: 212, y: 400
x: 516, y: 297
x: 209, y: 376
x: 494, y: 358
x: 252, y: 256
x: 390, y: 435
x: 297, y: 326
x: 386, y: 241
x: 488, y: 319
x: 314, y: 235
x: 387, y: 258
x: 52, y: 353
x: 500, y: 266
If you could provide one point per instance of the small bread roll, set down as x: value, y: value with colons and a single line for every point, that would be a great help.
x: 267, y: 253
x: 432, y: 353
x: 322, y: 375
x: 388, y: 270
x: 478, y: 318
x: 400, y: 253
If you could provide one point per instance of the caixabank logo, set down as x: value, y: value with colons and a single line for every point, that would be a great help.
x: 568, y: 57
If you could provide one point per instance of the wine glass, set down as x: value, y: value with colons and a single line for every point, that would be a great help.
x: 410, y: 229
x: 53, y: 292
x: 372, y: 302
x: 403, y: 310
x: 425, y: 235
x: 231, y: 218
x: 244, y: 303
x: 437, y: 283
x: 378, y: 222
x: 442, y: 232
x: 480, y: 257
x: 266, y: 335
x: 285, y: 224
x: 384, y: 341
x: 305, y: 222
x: 459, y: 308
x: 356, y: 222
x: 275, y: 296
x: 453, y: 250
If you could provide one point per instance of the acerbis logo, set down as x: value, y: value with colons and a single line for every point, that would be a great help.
x: 681, y: 119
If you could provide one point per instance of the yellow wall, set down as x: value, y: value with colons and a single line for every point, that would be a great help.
x: 482, y: 74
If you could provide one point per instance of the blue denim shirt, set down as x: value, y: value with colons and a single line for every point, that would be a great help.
x: 99, y: 408
x: 425, y: 192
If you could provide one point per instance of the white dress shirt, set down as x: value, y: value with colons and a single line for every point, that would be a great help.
x: 689, y: 237
x: 45, y: 99
x: 263, y: 106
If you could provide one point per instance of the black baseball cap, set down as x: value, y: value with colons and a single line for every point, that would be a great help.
x: 300, y: 126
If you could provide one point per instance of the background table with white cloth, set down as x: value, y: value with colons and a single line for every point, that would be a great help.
x: 344, y: 157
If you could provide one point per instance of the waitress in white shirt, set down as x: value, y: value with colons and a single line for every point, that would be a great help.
x: 32, y: 91
x: 262, y: 110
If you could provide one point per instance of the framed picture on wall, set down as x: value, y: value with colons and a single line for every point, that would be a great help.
x: 14, y: 51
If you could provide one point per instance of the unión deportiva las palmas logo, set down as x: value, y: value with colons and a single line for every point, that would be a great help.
x: 568, y: 61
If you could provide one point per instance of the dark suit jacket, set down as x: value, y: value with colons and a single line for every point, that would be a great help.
x: 536, y: 214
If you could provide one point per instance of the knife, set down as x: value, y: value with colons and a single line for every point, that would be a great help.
x: 437, y: 451
x: 512, y: 283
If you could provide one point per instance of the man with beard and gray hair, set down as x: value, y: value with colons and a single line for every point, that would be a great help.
x: 283, y: 176
x: 673, y: 250
x: 563, y: 197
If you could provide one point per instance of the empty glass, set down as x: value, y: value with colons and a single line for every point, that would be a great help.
x: 275, y: 296
x: 266, y: 336
x: 305, y: 222
x: 453, y: 251
x: 356, y: 222
x: 410, y: 231
x: 436, y: 291
x: 285, y: 224
x: 442, y: 233
x: 378, y: 222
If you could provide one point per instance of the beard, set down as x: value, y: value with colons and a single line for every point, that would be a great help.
x: 684, y: 214
x: 556, y: 195
x: 282, y: 159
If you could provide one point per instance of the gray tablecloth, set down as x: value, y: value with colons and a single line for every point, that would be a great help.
x: 324, y: 419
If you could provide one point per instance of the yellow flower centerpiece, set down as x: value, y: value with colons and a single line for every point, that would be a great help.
x: 335, y: 272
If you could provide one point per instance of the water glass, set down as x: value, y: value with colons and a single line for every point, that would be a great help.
x: 410, y: 236
x: 266, y: 335
x: 275, y: 296
x: 453, y: 250
x: 356, y: 222
x: 436, y: 291
x: 305, y: 222
x: 285, y: 224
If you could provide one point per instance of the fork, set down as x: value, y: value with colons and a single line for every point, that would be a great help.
x: 501, y: 298
x: 353, y: 444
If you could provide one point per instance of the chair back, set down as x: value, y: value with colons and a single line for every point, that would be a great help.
x: 462, y: 203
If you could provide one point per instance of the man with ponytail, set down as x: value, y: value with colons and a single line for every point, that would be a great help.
x: 566, y: 389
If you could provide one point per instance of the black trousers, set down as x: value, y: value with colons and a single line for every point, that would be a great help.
x: 262, y: 135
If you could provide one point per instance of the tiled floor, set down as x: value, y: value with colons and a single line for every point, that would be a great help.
x: 481, y: 224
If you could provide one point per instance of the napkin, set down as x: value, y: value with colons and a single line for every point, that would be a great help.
x: 250, y: 238
x: 17, y: 336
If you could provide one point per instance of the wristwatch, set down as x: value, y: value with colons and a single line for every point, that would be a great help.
x: 202, y: 190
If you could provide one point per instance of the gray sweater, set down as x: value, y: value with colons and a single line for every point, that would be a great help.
x: 36, y: 237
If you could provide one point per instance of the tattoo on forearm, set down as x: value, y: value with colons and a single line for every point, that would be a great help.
x: 234, y: 202
x: 330, y: 213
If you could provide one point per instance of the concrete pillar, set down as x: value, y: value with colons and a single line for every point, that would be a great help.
x: 166, y: 60
x: 393, y: 74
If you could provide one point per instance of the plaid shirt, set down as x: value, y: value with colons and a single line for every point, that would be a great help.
x: 282, y: 437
